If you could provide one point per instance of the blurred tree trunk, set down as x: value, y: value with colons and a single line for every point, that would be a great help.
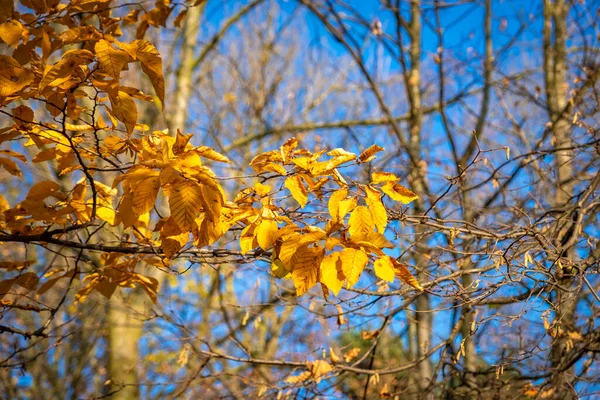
x: 125, y: 324
x: 124, y: 333
x: 555, y: 60
x: 417, y: 178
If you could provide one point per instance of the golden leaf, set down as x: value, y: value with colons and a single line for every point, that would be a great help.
x: 124, y: 109
x: 331, y: 272
x: 210, y: 153
x: 404, y: 274
x: 10, y: 166
x: 13, y: 77
x: 376, y: 207
x: 247, y: 238
x: 296, y: 187
x: 360, y: 223
x: 384, y: 269
x: 398, y: 192
x: 305, y: 262
x: 378, y: 177
x: 152, y: 66
x: 265, y: 233
x: 185, y: 203
x: 45, y: 189
x: 11, y: 32
x: 111, y: 60
x: 319, y: 368
x: 145, y: 192
x: 369, y: 154
x: 351, y: 354
x: 353, y: 264
x: 334, y: 203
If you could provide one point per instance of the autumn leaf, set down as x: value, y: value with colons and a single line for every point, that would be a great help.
x: 384, y: 269
x: 379, y: 177
x: 305, y: 262
x: 353, y: 264
x: 398, y: 192
x: 360, y: 223
x: 265, y: 233
x: 124, y: 109
x: 13, y: 77
x: 111, y: 60
x: 404, y: 274
x: 334, y: 202
x: 11, y: 32
x: 185, y: 203
x: 376, y: 207
x: 331, y: 273
x: 297, y: 188
x: 152, y: 67
x: 369, y: 153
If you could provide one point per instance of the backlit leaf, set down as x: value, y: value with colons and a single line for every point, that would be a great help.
x: 353, y: 264
x: 376, y: 207
x: 305, y: 268
x: 404, y: 274
x: 265, y: 233
x: 297, y: 188
x: 185, y: 203
x: 378, y: 177
x: 384, y: 269
x: 369, y: 154
x: 398, y: 192
x: 111, y: 60
x: 331, y: 272
x: 360, y: 223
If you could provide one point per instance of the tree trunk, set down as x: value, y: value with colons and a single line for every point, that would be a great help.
x: 555, y: 58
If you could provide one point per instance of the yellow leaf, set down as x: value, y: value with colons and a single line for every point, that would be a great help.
x: 334, y: 203
x: 45, y: 189
x: 262, y: 190
x: 13, y: 77
x: 3, y: 204
x: 265, y: 232
x: 319, y: 368
x: 210, y: 153
x: 369, y: 154
x: 10, y: 166
x: 384, y: 269
x: 124, y: 109
x: 152, y: 66
x: 331, y: 272
x: 106, y: 213
x: 279, y: 270
x: 181, y: 142
x: 305, y: 262
x: 404, y: 274
x: 351, y: 354
x: 111, y: 60
x: 346, y: 206
x: 398, y: 192
x: 11, y: 32
x: 247, y: 238
x: 353, y: 264
x: 334, y: 357
x: 287, y: 148
x: 378, y: 177
x: 360, y: 223
x: 185, y: 203
x: 296, y: 187
x: 145, y: 193
x: 376, y: 207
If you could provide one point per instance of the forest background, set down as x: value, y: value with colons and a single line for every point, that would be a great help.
x: 299, y: 199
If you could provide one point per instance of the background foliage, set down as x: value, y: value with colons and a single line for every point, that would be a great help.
x: 263, y: 199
